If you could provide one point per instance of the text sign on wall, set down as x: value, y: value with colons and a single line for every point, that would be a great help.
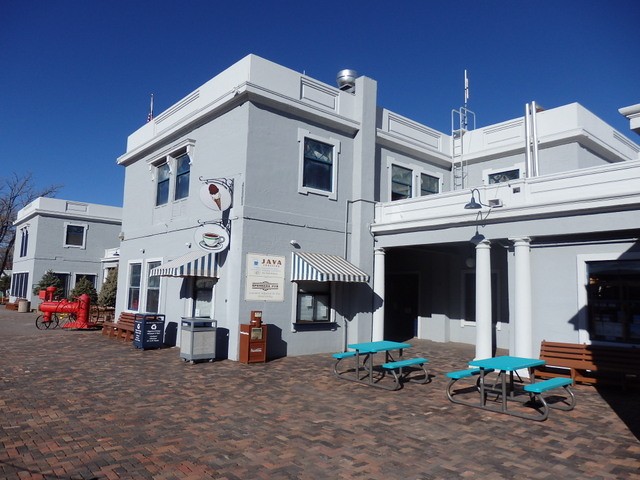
x: 265, y: 278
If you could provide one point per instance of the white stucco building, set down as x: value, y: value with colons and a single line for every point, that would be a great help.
x: 265, y: 189
x: 68, y: 237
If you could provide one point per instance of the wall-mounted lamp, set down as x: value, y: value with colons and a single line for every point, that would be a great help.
x: 121, y: 236
x: 473, y: 205
x: 294, y: 244
x: 142, y: 250
x: 188, y: 244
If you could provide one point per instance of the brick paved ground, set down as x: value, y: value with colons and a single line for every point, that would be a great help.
x: 76, y: 405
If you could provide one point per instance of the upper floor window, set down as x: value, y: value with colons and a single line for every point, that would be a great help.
x: 75, y: 235
x: 173, y: 163
x: 24, y: 242
x: 502, y: 175
x: 429, y: 184
x: 183, y: 169
x: 401, y: 183
x: 318, y: 165
x: 408, y: 181
x: 162, y: 187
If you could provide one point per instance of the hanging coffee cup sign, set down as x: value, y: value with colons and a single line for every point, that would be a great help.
x: 212, y: 237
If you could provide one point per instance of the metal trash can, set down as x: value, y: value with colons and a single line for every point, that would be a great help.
x: 198, y: 339
x: 24, y: 306
x: 148, y: 330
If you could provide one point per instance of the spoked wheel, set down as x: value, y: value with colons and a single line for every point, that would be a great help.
x: 67, y: 318
x: 42, y: 324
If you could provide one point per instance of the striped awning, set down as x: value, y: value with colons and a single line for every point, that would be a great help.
x: 192, y: 264
x: 321, y: 267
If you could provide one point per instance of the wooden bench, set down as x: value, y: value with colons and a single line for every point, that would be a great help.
x: 592, y: 364
x: 122, y: 329
x: 396, y: 368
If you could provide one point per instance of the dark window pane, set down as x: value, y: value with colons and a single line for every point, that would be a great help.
x: 429, y: 185
x: 162, y: 192
x: 400, y: 182
x: 183, y: 169
x: 318, y: 165
x: 75, y: 235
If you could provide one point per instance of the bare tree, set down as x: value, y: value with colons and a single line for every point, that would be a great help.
x: 16, y: 192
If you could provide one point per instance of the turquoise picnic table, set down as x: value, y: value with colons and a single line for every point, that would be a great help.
x: 393, y: 363
x: 508, y: 390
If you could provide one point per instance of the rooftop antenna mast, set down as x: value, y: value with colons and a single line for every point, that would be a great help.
x: 459, y: 127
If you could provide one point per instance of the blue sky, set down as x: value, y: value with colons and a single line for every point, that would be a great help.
x: 76, y: 75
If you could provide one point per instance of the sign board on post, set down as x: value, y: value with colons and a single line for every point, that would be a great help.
x: 265, y: 278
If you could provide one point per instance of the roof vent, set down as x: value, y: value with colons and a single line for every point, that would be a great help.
x: 347, y: 80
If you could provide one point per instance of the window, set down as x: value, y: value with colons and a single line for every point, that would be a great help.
x: 64, y: 285
x: 314, y: 302
x: 503, y: 175
x: 613, y: 296
x: 401, y: 182
x: 162, y: 188
x: 203, y: 296
x: 183, y: 169
x: 318, y: 165
x: 91, y: 278
x: 175, y: 161
x: 429, y: 184
x: 133, y: 295
x: 19, y: 284
x: 75, y: 235
x: 24, y: 242
x: 408, y: 181
x: 153, y: 289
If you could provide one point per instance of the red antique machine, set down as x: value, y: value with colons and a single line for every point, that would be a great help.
x: 79, y: 310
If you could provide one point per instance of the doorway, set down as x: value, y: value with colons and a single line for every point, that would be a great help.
x: 401, y: 306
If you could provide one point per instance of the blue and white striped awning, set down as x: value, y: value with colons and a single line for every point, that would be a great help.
x: 192, y: 264
x: 321, y: 267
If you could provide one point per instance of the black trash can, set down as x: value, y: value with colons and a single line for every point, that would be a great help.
x: 148, y: 330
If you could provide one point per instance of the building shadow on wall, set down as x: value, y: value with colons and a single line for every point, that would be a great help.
x: 620, y: 390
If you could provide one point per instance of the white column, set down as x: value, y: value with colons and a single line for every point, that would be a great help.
x: 484, y: 333
x: 523, y: 323
x: 377, y: 331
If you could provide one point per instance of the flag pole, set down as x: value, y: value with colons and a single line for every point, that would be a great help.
x: 150, y: 116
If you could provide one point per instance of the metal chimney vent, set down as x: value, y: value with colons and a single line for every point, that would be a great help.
x: 347, y: 80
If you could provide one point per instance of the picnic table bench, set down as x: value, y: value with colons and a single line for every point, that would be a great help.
x: 122, y: 329
x: 592, y: 364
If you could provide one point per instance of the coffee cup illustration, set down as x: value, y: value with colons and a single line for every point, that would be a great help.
x: 211, y: 239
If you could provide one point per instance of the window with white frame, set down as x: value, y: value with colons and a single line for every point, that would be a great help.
x: 63, y: 278
x: 318, y: 165
x: 19, y: 284
x: 401, y: 183
x: 134, y: 282
x: 24, y: 242
x: 90, y: 277
x: 75, y: 235
x: 313, y: 302
x: 152, y: 298
x: 162, y: 184
x: 183, y: 170
x: 176, y: 163
x: 429, y: 185
x: 407, y: 181
x: 502, y: 175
